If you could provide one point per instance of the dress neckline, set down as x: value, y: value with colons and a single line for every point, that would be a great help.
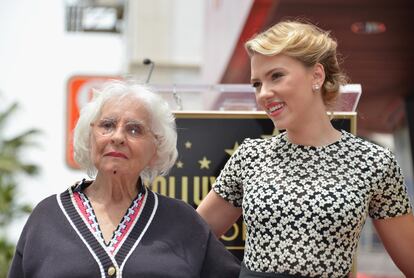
x: 309, y: 147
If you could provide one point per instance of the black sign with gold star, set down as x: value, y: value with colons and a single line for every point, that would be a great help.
x: 206, y: 140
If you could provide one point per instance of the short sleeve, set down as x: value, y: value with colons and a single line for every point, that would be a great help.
x: 391, y: 199
x: 229, y: 183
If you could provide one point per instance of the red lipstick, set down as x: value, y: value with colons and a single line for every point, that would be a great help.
x: 116, y: 154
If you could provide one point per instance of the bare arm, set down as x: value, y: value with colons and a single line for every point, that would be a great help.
x: 218, y: 213
x: 397, y: 235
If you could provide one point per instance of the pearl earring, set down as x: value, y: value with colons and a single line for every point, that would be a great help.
x: 315, y: 88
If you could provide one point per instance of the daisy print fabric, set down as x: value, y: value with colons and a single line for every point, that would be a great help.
x: 304, y: 207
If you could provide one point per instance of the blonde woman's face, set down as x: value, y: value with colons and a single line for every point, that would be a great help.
x: 121, y: 139
x: 283, y: 89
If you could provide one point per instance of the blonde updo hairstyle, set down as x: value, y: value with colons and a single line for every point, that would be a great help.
x: 308, y: 44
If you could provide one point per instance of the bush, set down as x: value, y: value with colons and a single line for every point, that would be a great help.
x: 11, y: 165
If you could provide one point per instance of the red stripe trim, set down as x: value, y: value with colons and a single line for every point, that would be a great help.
x: 82, y: 207
x: 129, y: 223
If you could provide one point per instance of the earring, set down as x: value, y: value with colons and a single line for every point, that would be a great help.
x: 315, y: 88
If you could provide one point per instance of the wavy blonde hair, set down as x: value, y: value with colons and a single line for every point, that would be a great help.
x: 308, y: 44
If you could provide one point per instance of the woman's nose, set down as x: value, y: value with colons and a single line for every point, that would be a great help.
x: 118, y: 136
x: 264, y: 92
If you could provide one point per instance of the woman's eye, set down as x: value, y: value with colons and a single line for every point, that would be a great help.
x: 107, y: 125
x: 256, y: 85
x: 276, y: 75
x: 134, y: 130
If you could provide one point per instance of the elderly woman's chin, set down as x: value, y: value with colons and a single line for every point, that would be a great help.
x: 111, y: 170
x: 114, y: 167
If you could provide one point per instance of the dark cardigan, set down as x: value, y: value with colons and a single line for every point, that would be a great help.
x: 169, y: 239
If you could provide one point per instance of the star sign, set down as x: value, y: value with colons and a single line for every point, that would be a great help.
x: 204, y: 163
x: 231, y: 151
x: 179, y: 164
x: 188, y: 145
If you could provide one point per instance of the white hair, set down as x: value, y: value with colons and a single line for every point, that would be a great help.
x: 162, y: 124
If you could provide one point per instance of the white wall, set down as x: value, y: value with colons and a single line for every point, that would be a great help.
x: 37, y: 56
x: 169, y: 32
x: 226, y: 20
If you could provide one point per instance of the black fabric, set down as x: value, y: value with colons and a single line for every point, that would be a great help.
x: 50, y: 247
x: 246, y: 273
x: 136, y: 231
x: 84, y: 230
x: 176, y: 243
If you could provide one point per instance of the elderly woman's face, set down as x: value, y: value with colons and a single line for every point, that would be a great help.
x: 121, y: 139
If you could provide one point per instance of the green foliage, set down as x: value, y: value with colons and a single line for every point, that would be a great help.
x: 11, y: 165
x: 6, y: 255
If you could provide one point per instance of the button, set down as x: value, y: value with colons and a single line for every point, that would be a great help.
x: 111, y: 271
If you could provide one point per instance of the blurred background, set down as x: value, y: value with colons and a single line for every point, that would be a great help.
x: 47, y: 46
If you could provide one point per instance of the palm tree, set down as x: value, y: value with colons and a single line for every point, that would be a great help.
x: 11, y: 164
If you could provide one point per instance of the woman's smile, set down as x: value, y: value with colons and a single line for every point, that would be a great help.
x: 275, y: 108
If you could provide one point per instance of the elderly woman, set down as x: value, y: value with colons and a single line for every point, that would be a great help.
x: 113, y: 225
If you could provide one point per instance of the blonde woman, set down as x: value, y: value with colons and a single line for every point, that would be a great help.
x: 306, y: 193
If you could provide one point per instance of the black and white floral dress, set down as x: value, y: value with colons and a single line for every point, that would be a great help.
x: 304, y: 206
